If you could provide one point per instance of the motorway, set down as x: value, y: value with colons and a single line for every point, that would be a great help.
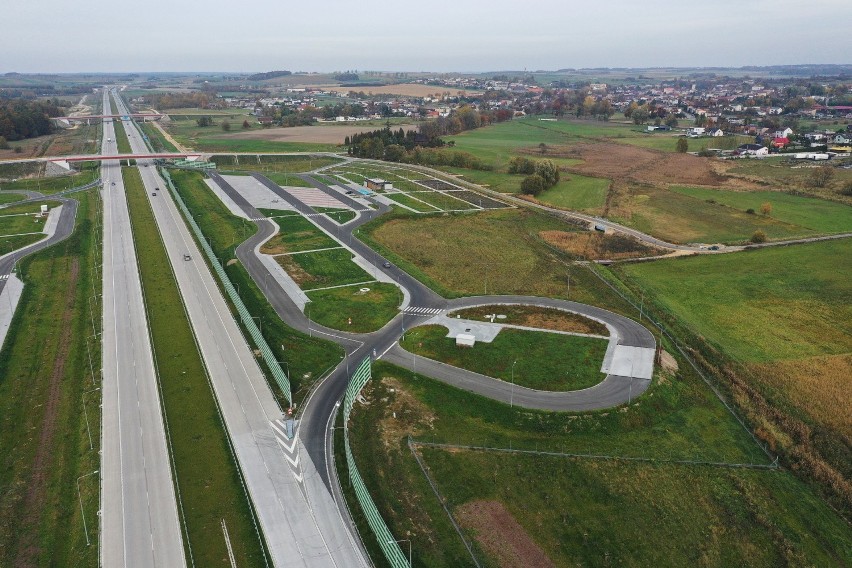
x: 301, y: 523
x: 139, y: 515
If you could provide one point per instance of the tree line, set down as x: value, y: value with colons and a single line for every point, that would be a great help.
x: 25, y: 118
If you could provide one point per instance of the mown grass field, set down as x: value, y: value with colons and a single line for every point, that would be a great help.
x: 811, y: 214
x: 308, y: 357
x: 206, y: 473
x: 322, y: 269
x: 6, y: 197
x: 367, y: 311
x: 578, y: 193
x: 16, y: 224
x: 44, y: 440
x: 593, y: 513
x: 297, y: 234
x: 534, y: 359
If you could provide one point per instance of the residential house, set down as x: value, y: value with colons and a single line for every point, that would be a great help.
x: 752, y: 150
x: 716, y: 132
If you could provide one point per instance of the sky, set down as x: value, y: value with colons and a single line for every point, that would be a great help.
x: 56, y: 36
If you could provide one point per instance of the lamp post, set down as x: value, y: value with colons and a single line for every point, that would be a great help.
x: 409, y: 547
x: 512, y: 396
x: 82, y: 512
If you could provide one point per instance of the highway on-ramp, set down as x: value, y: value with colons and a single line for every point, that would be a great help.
x: 139, y: 515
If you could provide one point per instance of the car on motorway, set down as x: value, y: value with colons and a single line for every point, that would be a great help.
x: 187, y: 257
x: 154, y: 193
x: 386, y: 264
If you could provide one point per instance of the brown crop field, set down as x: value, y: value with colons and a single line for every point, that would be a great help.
x: 595, y: 246
x: 310, y: 134
x: 404, y: 89
x: 817, y: 385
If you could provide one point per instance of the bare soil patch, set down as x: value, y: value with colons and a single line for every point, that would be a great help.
x: 404, y: 89
x: 314, y: 134
x: 596, y: 246
x: 534, y: 316
x: 296, y: 272
x: 501, y: 536
x: 34, y: 502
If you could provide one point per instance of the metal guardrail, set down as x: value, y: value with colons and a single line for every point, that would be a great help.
x: 277, y: 372
x: 396, y: 558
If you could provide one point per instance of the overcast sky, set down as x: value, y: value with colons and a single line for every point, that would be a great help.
x: 438, y: 35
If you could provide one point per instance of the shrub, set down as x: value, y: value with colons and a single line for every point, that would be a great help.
x: 847, y: 188
x: 4, y: 144
x: 750, y: 211
x: 533, y: 185
x: 521, y: 165
x: 821, y: 176
x: 758, y: 237
x: 681, y: 145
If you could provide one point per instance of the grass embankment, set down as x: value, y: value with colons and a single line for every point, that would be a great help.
x: 271, y: 163
x: 45, y: 383
x: 368, y: 311
x: 50, y: 185
x: 307, y: 357
x: 323, y: 269
x: 533, y: 359
x: 205, y: 471
x: 494, y: 252
x: 121, y: 138
x: 776, y: 322
x: 678, y: 419
x: 159, y: 142
x: 582, y: 512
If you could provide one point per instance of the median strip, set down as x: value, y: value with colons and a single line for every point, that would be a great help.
x: 208, y: 479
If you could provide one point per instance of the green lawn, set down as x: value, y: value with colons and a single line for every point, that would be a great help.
x: 368, y: 311
x: 498, y: 181
x: 442, y: 201
x: 8, y: 244
x: 307, y: 357
x: 592, y: 513
x: 44, y: 373
x: 776, y: 303
x: 297, y: 234
x: 27, y: 208
x: 206, y: 473
x: 807, y: 212
x: 577, y: 192
x: 10, y: 197
x: 17, y: 224
x: 339, y: 216
x: 324, y: 268
x: 545, y: 361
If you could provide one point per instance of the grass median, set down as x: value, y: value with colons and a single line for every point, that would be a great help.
x: 46, y: 383
x: 121, y: 138
x: 205, y: 470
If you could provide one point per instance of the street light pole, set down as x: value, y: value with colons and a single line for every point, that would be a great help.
x: 512, y: 396
x: 82, y: 512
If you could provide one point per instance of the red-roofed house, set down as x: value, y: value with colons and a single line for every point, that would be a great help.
x: 780, y: 142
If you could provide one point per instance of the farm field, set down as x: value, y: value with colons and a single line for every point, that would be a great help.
x: 789, y: 302
x: 545, y: 361
x: 807, y: 212
x: 405, y: 89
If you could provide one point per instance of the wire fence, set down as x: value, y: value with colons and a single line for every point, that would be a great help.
x: 389, y: 545
x: 245, y: 317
